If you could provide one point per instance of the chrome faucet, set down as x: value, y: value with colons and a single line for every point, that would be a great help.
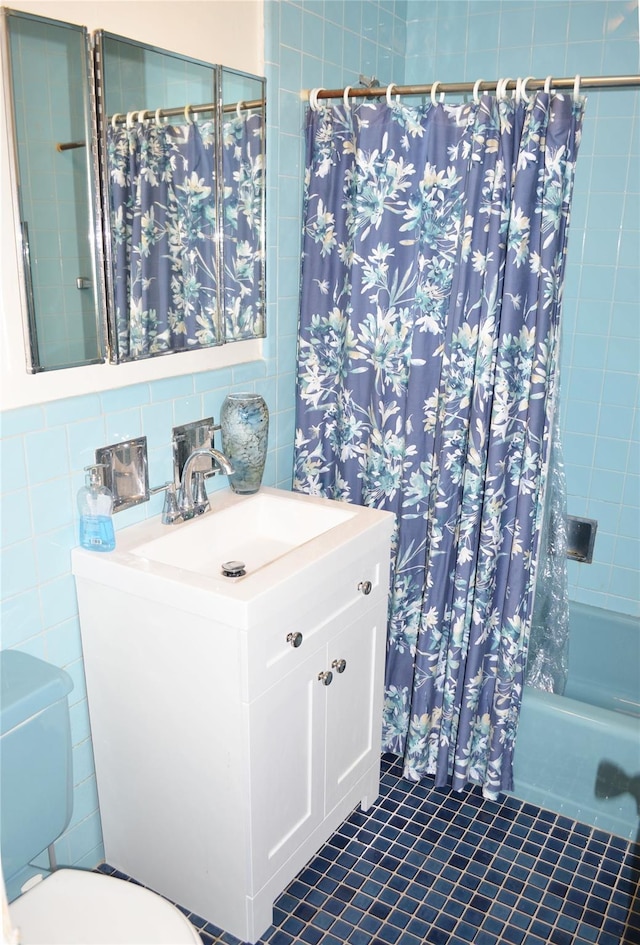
x: 188, y: 505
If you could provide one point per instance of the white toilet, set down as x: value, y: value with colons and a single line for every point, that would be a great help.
x: 69, y: 906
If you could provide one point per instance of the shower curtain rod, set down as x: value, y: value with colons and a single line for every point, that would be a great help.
x: 600, y: 82
x: 194, y: 109
x: 120, y: 118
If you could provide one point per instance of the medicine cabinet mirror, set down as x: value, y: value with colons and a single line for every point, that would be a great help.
x: 243, y: 204
x: 47, y: 73
x: 156, y: 230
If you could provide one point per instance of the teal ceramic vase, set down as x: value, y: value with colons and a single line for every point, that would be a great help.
x: 244, y: 424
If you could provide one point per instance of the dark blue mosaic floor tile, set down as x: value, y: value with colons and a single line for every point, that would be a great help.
x: 493, y: 925
x: 281, y: 938
x: 292, y: 926
x: 427, y: 866
x: 437, y: 936
x: 512, y: 934
x: 445, y: 923
x: 418, y: 928
x: 323, y: 920
x: 359, y: 937
x: 542, y: 929
x: 485, y: 938
x: 466, y: 932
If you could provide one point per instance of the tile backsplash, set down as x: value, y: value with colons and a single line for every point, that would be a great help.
x: 44, y: 451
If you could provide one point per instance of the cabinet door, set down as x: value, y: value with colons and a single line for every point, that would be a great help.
x: 354, y: 703
x: 286, y: 727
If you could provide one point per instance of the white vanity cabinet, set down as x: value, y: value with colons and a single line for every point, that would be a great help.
x: 223, y: 758
x: 326, y: 743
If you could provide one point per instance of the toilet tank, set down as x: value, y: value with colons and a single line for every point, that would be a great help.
x: 35, y: 761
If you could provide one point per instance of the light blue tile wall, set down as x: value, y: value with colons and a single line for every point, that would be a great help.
x: 43, y: 454
x: 311, y: 43
x: 601, y: 344
x: 45, y: 448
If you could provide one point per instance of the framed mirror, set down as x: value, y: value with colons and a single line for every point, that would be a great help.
x: 158, y: 126
x: 48, y: 78
x: 140, y: 196
x: 243, y: 126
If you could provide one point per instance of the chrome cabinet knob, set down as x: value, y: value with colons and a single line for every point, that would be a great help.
x: 365, y: 587
x: 326, y: 678
x: 295, y: 639
x: 339, y: 665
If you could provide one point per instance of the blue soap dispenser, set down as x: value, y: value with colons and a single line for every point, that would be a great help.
x: 95, y: 504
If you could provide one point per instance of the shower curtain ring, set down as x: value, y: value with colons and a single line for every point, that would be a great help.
x: 115, y: 119
x: 187, y: 109
x: 523, y: 89
x: 239, y: 108
x: 345, y: 96
x: 576, y: 89
x: 313, y: 98
x: 130, y: 117
x: 547, y: 84
x: 517, y: 92
x: 476, y: 90
x: 501, y: 88
x: 434, y: 88
x: 390, y: 87
x: 142, y: 114
x: 159, y: 116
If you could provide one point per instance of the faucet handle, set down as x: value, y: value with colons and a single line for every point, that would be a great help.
x: 170, y: 511
x: 200, y: 497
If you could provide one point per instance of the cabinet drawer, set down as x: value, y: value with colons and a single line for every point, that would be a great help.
x: 296, y: 630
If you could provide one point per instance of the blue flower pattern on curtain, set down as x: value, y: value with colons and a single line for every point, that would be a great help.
x: 243, y: 244
x: 433, y: 262
x: 163, y: 237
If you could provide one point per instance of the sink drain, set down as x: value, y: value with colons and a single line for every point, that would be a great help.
x: 233, y: 569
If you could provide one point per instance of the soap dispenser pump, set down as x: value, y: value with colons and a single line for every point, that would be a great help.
x: 95, y: 504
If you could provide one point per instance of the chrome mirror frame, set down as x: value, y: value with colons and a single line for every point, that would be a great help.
x: 99, y: 52
x: 34, y: 363
x: 256, y: 87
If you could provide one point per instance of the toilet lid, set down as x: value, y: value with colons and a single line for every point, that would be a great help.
x: 76, y: 907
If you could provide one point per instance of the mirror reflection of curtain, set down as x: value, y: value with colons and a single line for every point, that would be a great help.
x: 163, y: 237
x: 243, y: 175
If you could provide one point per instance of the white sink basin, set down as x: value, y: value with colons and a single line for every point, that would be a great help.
x: 255, y: 531
x: 279, y: 536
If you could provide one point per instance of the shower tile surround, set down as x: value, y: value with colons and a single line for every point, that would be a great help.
x: 600, y: 364
x: 45, y: 447
x: 430, y: 865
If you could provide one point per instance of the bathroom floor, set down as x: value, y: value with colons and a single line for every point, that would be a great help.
x: 427, y: 864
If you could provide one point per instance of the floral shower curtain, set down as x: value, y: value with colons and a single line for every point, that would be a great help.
x: 433, y: 261
x: 243, y: 244
x: 163, y: 237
